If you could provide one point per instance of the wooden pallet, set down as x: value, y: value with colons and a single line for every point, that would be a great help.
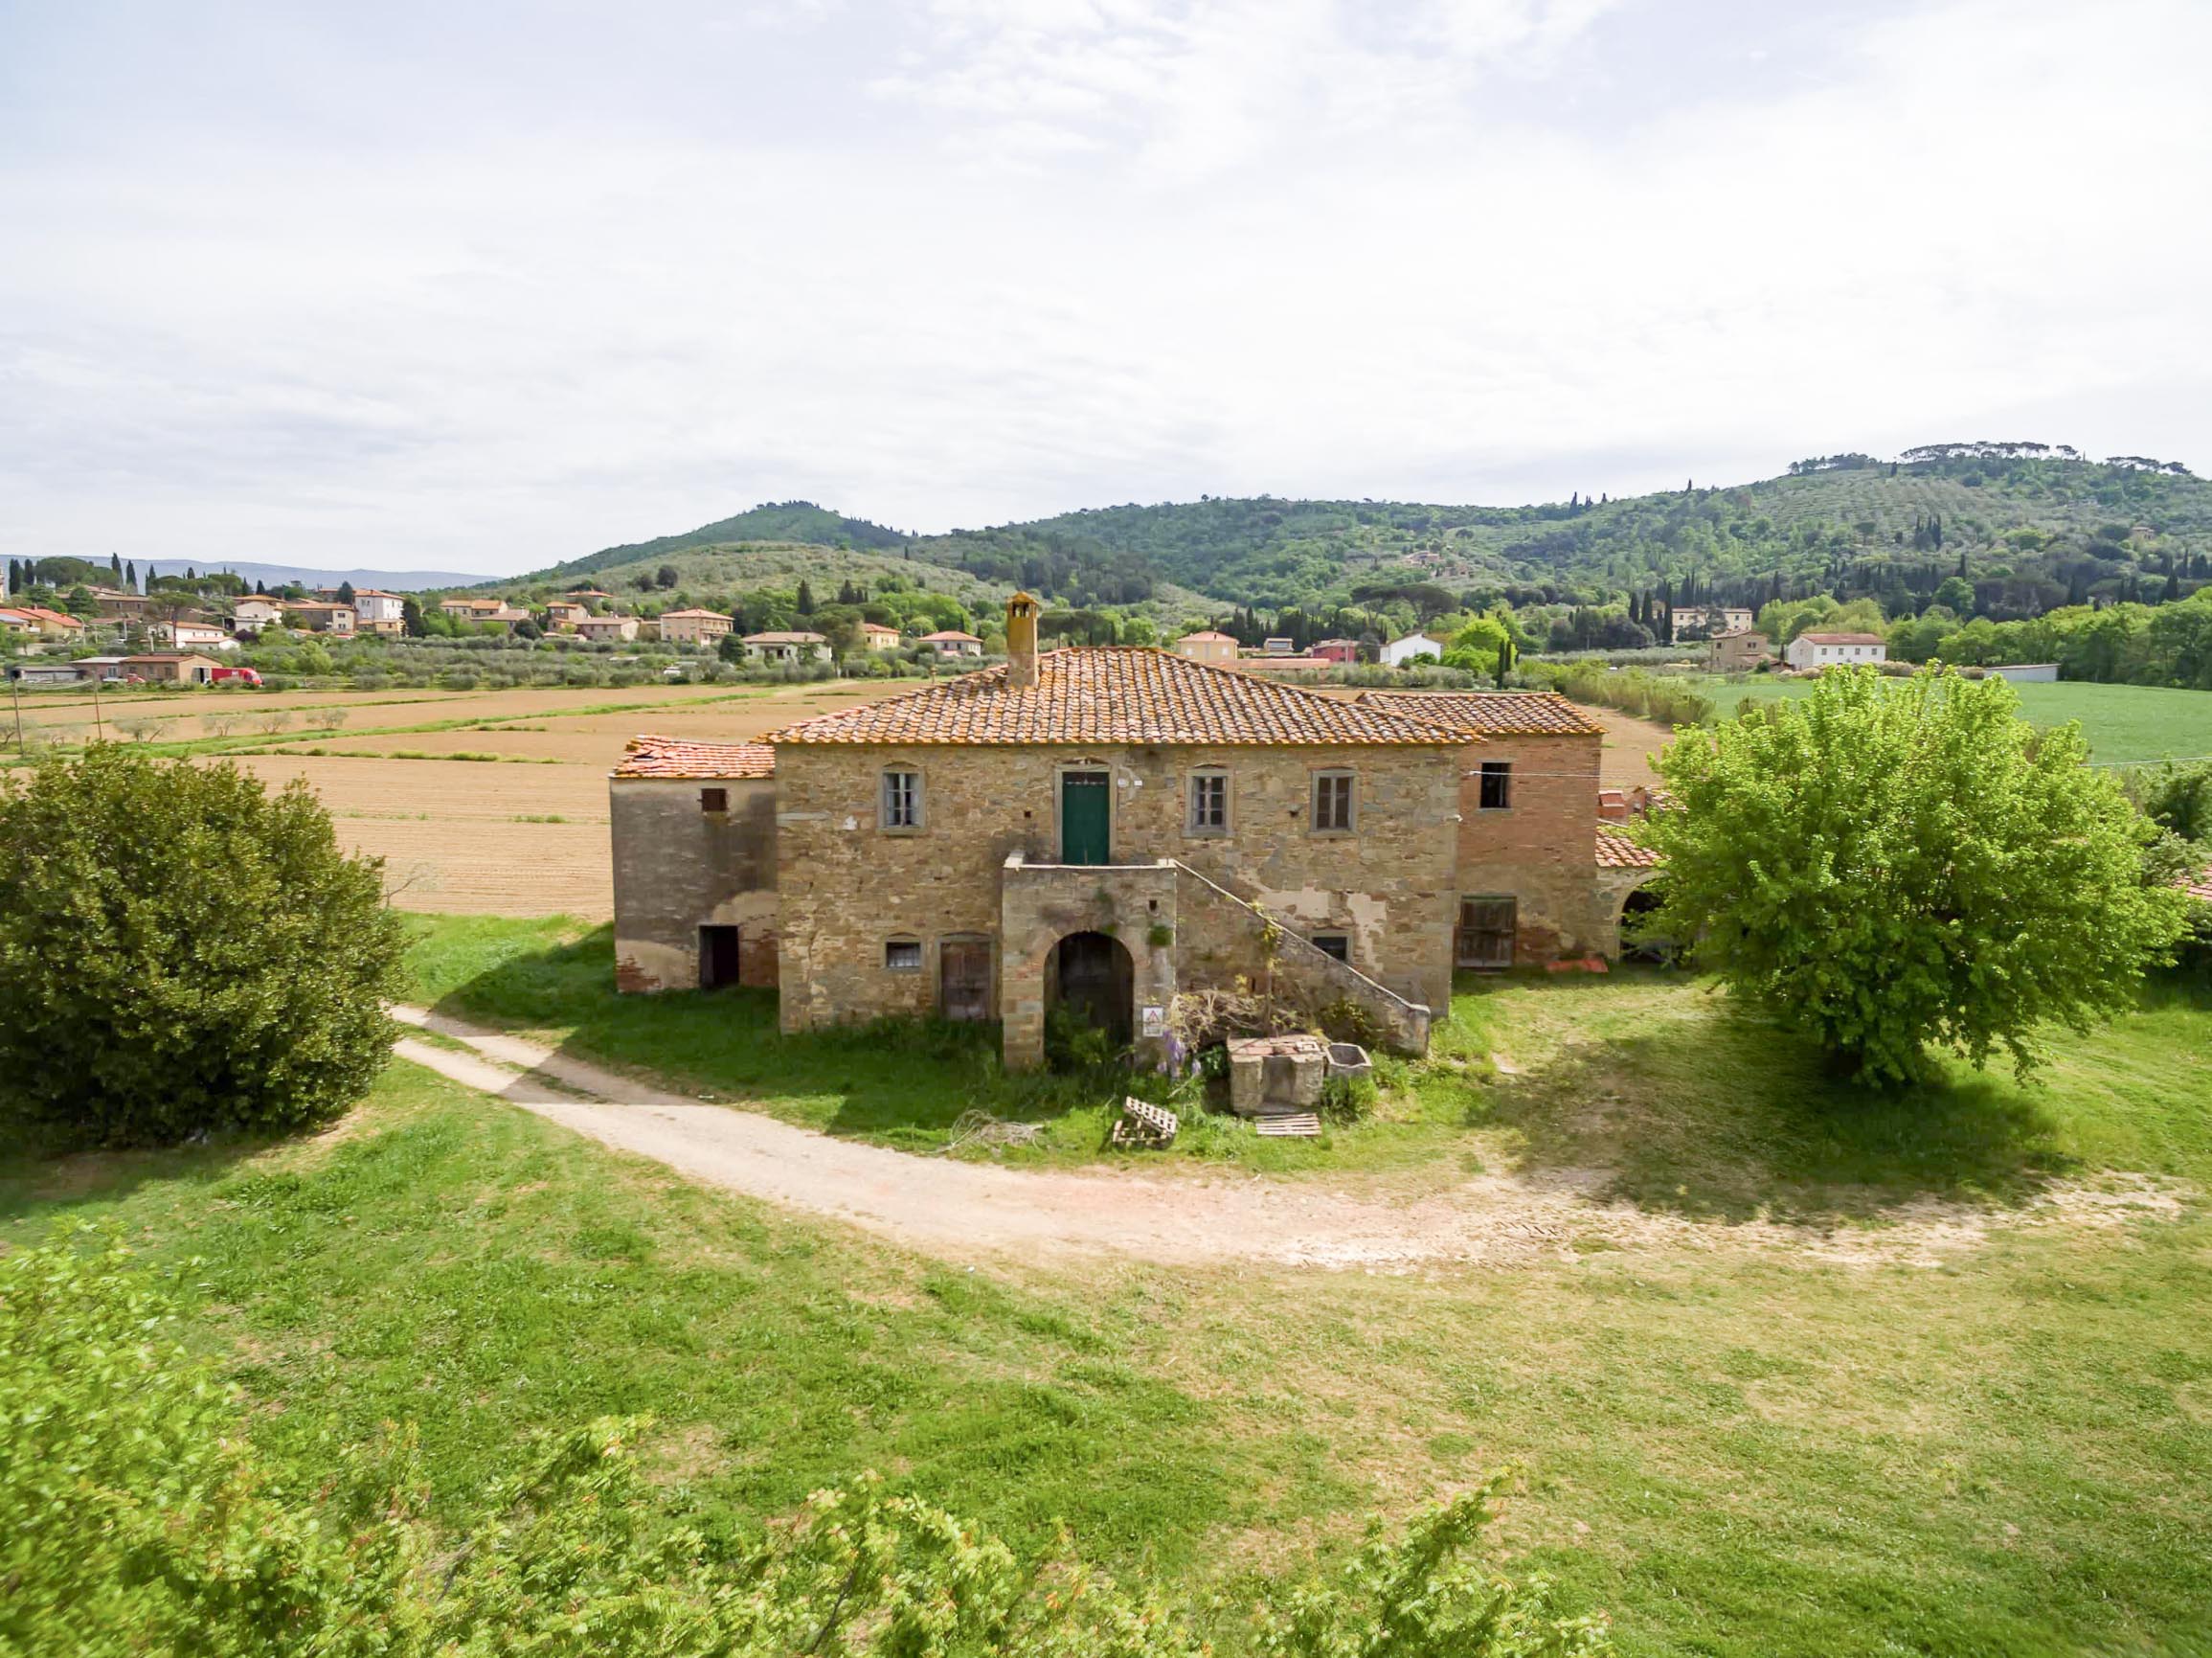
x: 1145, y: 1123
x: 1299, y: 1125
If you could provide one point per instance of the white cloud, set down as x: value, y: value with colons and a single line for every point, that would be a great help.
x: 1289, y: 249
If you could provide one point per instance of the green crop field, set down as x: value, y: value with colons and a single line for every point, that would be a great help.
x: 2124, y: 723
x: 1927, y: 1374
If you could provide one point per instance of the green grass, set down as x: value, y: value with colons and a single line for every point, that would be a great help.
x: 1617, y: 1071
x: 2124, y: 723
x: 1739, y: 1448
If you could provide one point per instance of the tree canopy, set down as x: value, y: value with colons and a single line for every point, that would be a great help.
x: 1899, y: 868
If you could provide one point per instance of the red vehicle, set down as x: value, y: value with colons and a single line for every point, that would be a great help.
x: 234, y: 675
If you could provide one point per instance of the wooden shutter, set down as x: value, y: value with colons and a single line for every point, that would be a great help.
x: 964, y: 978
x: 1484, y: 936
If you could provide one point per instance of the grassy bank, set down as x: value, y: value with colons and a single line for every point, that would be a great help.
x: 1645, y: 1073
x: 1737, y: 1450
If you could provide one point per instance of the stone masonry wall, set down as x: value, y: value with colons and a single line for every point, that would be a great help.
x: 846, y: 887
x: 679, y: 867
x: 1542, y: 849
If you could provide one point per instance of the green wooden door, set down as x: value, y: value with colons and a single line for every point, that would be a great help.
x: 1085, y: 817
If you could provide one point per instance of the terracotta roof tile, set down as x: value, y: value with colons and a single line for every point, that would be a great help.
x: 2200, y: 888
x: 1495, y: 712
x: 1615, y: 851
x: 674, y: 757
x: 1843, y: 638
x: 1117, y: 694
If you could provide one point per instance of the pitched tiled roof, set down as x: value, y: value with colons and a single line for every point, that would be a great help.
x: 785, y: 639
x: 948, y: 635
x: 2199, y: 888
x: 674, y: 757
x: 1117, y: 694
x: 1843, y: 638
x: 1211, y: 637
x: 710, y: 614
x: 1496, y: 712
x: 1617, y: 852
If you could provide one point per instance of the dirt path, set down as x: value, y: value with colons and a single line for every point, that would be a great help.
x: 975, y: 1209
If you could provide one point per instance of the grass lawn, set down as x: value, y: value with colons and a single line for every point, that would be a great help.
x: 2124, y: 723
x: 1643, y: 1074
x: 1740, y: 1451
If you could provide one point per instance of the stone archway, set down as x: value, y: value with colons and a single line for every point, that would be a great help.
x: 1094, y: 973
x: 1638, y: 902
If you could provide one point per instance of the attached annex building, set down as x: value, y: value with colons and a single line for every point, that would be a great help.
x: 1106, y: 827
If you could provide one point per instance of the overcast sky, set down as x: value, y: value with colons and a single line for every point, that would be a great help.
x: 482, y: 287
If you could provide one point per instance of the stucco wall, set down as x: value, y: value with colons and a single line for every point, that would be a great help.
x: 679, y: 867
x: 1540, y: 849
x: 846, y: 887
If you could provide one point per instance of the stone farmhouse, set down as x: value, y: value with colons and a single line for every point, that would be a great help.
x: 1108, y: 827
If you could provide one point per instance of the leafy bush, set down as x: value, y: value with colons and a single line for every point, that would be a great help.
x: 1347, y: 1099
x: 1899, y: 869
x: 181, y: 951
x: 135, y: 1517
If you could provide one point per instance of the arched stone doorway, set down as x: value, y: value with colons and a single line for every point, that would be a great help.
x: 1635, y: 944
x: 1094, y: 973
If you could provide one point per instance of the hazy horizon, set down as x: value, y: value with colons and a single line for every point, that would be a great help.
x: 412, y: 289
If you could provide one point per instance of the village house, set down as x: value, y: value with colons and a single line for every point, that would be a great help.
x: 318, y: 617
x: 253, y: 613
x: 188, y: 635
x: 1400, y: 651
x: 1208, y: 645
x: 951, y: 642
x: 375, y: 611
x: 785, y: 646
x: 53, y: 625
x: 464, y: 607
x: 1836, y: 649
x: 876, y: 636
x: 607, y: 628
x: 1735, y: 651
x: 171, y: 666
x: 113, y: 604
x: 564, y: 615
x: 1338, y: 650
x: 692, y: 626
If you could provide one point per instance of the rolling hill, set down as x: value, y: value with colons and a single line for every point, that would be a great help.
x: 2030, y: 526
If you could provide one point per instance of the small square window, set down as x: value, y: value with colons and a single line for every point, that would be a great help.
x: 713, y: 800
x: 902, y: 799
x: 1333, y: 803
x: 1208, y: 803
x: 1337, y: 945
x: 902, y: 955
x: 1496, y: 784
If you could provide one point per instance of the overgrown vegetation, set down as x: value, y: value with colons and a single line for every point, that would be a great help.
x: 135, y: 1517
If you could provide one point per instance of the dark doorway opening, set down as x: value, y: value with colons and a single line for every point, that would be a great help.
x: 1094, y: 976
x: 718, y: 957
x: 1637, y: 942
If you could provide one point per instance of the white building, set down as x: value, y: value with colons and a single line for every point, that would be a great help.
x: 1831, y: 649
x: 1400, y: 651
x: 379, y: 612
x: 799, y: 647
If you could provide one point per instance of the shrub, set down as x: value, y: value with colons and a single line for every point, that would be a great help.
x: 182, y: 951
x: 136, y: 1516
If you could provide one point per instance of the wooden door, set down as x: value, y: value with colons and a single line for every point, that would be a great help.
x: 1086, y: 817
x: 1484, y: 936
x: 964, y: 978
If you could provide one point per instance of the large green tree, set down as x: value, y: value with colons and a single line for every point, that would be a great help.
x: 1899, y: 868
x: 181, y: 951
